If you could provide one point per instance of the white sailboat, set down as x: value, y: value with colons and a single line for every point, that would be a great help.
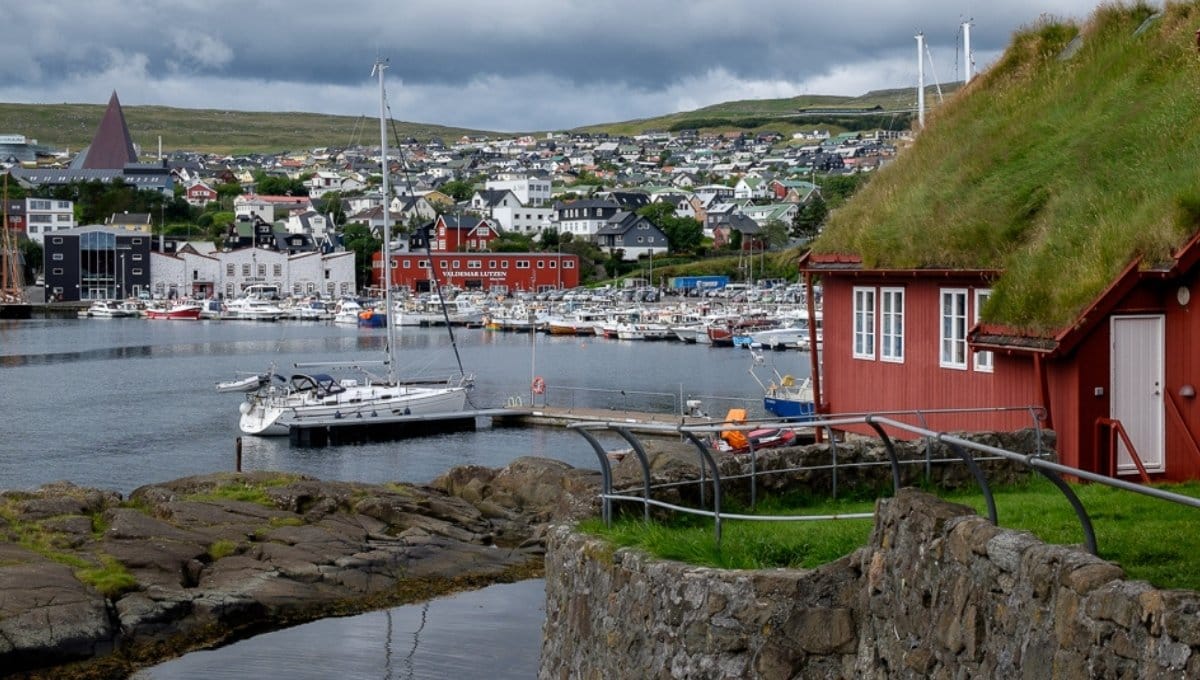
x: 315, y: 397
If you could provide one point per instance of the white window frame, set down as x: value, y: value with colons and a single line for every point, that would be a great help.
x: 891, y: 324
x: 984, y: 362
x: 952, y: 329
x: 863, y: 331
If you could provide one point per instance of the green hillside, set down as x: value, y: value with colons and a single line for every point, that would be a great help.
x: 1073, y: 154
x: 72, y: 126
x: 787, y: 115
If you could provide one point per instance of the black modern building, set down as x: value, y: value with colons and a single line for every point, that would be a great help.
x: 96, y: 262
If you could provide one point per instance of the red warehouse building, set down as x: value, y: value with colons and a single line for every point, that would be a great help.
x: 490, y: 272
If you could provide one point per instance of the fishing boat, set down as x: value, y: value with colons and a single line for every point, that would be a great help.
x: 785, y: 396
x: 274, y: 407
x: 184, y: 310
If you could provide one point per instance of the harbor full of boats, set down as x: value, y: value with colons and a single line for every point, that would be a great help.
x: 713, y: 321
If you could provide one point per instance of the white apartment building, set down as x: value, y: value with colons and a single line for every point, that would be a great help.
x: 44, y: 215
x: 531, y: 191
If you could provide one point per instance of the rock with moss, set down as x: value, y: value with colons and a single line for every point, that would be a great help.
x: 88, y: 576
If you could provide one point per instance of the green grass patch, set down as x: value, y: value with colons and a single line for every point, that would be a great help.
x: 111, y: 578
x: 237, y: 491
x: 241, y: 490
x: 222, y: 548
x: 1151, y: 540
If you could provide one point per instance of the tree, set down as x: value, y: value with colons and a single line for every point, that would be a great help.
x: 31, y: 252
x: 774, y: 234
x: 276, y: 185
x: 809, y: 218
x: 360, y: 239
x: 331, y: 204
x: 550, y: 239
x: 837, y: 189
x: 511, y: 242
x: 684, y: 234
x: 458, y: 190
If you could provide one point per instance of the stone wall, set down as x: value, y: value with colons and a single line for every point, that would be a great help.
x: 938, y: 592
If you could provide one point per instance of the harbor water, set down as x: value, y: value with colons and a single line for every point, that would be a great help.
x: 121, y: 403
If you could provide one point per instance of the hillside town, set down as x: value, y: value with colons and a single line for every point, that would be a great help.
x: 565, y: 208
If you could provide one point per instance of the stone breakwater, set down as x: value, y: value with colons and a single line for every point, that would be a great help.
x: 938, y: 593
x: 93, y: 584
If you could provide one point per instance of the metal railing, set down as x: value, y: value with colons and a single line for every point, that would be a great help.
x: 964, y: 451
x: 615, y: 400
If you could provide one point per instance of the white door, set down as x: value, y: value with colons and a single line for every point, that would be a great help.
x: 1137, y: 389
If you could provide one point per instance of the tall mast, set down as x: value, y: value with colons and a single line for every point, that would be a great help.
x: 921, y: 80
x: 11, y: 280
x: 386, y: 278
x: 970, y: 61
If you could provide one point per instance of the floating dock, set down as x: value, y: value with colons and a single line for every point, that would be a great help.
x: 360, y: 429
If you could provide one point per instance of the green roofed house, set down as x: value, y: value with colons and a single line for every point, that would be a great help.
x: 1036, y: 252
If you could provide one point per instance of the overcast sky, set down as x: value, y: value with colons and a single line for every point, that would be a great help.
x: 490, y: 64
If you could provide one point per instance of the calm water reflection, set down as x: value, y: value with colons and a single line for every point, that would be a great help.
x: 491, y: 633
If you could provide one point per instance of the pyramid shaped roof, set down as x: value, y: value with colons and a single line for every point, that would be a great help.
x: 111, y: 148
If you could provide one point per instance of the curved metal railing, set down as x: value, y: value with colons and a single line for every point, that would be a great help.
x: 965, y: 452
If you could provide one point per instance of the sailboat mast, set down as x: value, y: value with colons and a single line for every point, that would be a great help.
x: 386, y: 278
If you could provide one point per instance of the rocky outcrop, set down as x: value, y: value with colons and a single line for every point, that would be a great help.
x: 88, y: 576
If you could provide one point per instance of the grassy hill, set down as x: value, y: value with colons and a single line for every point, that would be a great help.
x: 71, y: 126
x: 1073, y: 154
x: 788, y: 115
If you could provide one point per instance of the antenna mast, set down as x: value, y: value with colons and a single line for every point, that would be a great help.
x: 921, y: 80
x: 966, y: 29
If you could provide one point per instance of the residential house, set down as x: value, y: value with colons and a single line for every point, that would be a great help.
x: 724, y: 228
x: 751, y: 187
x: 323, y: 182
x: 793, y: 190
x: 583, y: 218
x: 200, y: 194
x: 632, y: 235
x: 269, y: 208
x: 308, y: 222
x: 461, y: 232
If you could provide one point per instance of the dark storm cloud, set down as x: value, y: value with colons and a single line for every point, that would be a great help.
x: 534, y: 64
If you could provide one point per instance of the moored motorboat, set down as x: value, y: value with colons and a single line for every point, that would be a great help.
x: 107, y: 309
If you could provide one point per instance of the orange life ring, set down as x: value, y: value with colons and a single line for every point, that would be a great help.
x: 538, y: 386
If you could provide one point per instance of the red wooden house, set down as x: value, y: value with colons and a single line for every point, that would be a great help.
x: 910, y: 339
x: 462, y: 233
x: 1088, y: 269
x: 200, y: 194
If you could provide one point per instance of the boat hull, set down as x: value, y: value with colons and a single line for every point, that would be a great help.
x: 791, y: 409
x: 275, y: 415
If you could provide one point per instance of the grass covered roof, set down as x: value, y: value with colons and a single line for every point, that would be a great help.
x: 1078, y: 151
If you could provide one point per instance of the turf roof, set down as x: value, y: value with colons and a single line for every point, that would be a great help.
x: 1078, y: 151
